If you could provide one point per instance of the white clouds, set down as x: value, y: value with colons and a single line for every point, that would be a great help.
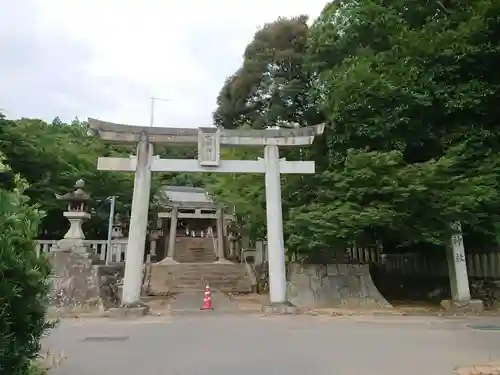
x: 110, y: 56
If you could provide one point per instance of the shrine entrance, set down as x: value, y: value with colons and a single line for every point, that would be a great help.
x: 209, y: 141
x: 194, y: 227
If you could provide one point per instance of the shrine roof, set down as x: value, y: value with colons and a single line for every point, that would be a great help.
x: 185, y: 195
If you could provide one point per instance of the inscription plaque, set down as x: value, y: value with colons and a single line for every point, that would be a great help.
x: 208, y: 147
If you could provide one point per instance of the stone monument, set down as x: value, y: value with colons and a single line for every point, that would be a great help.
x: 461, y: 300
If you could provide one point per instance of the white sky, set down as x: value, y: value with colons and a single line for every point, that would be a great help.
x: 106, y: 58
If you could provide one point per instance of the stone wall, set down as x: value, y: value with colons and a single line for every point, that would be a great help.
x: 333, y: 285
x: 80, y: 285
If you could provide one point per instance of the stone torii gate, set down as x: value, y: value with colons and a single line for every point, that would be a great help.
x: 209, y: 140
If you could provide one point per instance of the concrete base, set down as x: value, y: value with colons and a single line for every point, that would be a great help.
x: 124, y: 312
x: 472, y: 306
x: 286, y: 308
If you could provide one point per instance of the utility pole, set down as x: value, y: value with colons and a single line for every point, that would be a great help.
x: 110, y: 227
x: 152, y: 113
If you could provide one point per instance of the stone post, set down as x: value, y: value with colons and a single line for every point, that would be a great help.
x: 457, y: 266
x: 138, y: 225
x: 259, y: 252
x: 457, y: 269
x: 174, y: 217
x: 277, y: 273
x: 220, y: 236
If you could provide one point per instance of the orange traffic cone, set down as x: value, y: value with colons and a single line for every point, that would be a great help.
x: 207, y: 299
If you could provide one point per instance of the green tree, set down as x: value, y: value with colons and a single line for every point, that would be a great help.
x: 52, y: 157
x: 24, y: 280
x: 409, y: 93
x: 271, y: 88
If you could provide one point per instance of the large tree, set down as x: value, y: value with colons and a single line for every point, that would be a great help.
x: 270, y: 89
x: 409, y: 93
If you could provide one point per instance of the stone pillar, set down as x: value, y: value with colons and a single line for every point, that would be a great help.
x: 138, y: 224
x: 459, y: 280
x: 259, y: 252
x: 75, y: 219
x: 276, y: 251
x: 171, y: 236
x: 457, y: 267
x: 220, y: 236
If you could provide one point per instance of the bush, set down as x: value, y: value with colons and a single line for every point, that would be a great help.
x: 24, y: 281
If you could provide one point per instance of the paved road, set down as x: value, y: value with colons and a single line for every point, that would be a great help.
x: 278, y: 345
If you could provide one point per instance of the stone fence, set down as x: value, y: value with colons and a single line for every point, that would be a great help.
x: 479, y: 265
x: 100, y: 248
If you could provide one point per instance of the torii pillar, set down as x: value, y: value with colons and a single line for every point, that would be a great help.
x: 209, y: 140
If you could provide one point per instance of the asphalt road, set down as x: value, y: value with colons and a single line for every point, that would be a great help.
x: 202, y: 343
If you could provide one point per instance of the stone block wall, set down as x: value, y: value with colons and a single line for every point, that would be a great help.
x: 80, y: 285
x: 333, y: 285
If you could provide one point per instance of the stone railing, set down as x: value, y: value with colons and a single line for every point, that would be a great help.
x: 100, y: 247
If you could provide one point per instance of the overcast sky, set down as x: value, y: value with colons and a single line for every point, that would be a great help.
x: 106, y: 58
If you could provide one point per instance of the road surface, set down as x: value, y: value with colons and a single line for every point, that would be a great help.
x: 199, y: 344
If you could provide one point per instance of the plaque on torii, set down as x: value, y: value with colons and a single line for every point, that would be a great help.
x: 209, y: 141
x: 208, y: 146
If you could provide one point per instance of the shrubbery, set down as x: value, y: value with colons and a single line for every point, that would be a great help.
x: 24, y: 280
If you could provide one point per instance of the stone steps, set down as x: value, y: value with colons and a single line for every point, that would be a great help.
x: 174, y: 278
x: 194, y: 250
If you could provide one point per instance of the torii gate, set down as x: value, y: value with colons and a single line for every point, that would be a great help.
x: 209, y: 140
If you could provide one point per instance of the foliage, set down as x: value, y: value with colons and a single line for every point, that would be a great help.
x: 409, y: 95
x: 270, y: 89
x: 24, y: 281
x: 237, y: 190
x: 53, y: 156
x: 408, y: 91
x: 418, y: 81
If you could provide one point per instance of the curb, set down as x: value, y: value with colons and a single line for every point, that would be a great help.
x: 485, y: 369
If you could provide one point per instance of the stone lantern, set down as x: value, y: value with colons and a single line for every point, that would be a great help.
x: 76, y: 214
x: 117, y: 228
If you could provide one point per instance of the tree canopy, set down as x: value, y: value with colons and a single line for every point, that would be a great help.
x: 408, y: 93
x: 53, y: 156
